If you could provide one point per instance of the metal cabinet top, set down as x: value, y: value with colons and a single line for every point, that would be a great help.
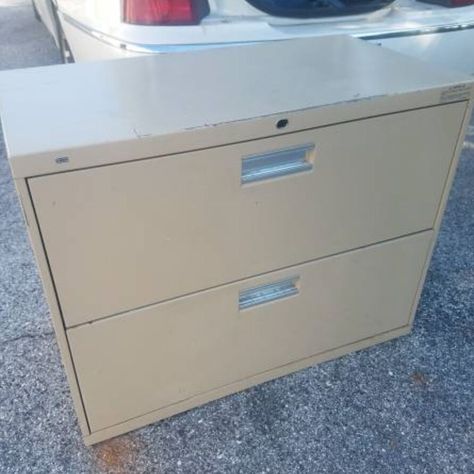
x: 60, y: 118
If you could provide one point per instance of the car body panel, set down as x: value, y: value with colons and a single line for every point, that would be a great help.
x: 95, y: 30
x: 45, y: 11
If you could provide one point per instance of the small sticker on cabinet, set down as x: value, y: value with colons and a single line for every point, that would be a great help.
x: 455, y: 93
x: 62, y: 160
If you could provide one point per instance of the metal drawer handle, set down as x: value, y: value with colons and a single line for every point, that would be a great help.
x: 277, y: 163
x: 270, y: 292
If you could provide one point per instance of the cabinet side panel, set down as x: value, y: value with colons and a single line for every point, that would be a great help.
x: 444, y: 200
x: 51, y: 297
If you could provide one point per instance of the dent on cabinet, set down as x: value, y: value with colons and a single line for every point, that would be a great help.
x: 206, y: 221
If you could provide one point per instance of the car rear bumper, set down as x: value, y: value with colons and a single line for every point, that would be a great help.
x: 450, y: 45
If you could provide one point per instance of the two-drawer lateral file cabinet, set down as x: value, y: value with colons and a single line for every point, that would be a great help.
x: 206, y: 221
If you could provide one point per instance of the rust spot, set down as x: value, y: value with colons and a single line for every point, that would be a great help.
x: 117, y: 455
x: 419, y: 378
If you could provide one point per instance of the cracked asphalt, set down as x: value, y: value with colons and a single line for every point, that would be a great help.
x: 405, y: 406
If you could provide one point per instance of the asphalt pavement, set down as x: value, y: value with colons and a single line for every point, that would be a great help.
x: 405, y: 406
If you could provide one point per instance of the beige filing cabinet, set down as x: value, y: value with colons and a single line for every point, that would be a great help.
x: 210, y: 220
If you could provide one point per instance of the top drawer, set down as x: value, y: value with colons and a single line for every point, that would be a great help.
x: 127, y: 235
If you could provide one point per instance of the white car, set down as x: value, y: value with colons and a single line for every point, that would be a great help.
x: 441, y: 31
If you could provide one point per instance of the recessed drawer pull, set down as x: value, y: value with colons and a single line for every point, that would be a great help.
x: 277, y: 163
x: 266, y: 293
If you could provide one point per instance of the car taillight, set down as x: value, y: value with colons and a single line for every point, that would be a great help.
x: 450, y: 3
x: 164, y: 12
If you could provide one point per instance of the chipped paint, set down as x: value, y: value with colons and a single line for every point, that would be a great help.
x: 139, y: 134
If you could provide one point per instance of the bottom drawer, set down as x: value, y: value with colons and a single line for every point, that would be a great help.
x: 138, y: 362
